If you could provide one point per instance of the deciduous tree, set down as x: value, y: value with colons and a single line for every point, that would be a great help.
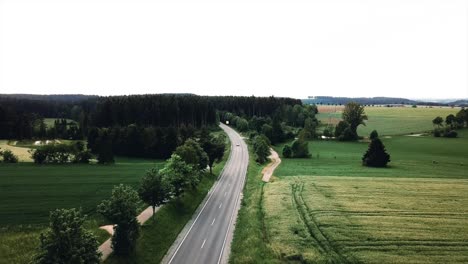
x: 354, y: 115
x: 154, y: 190
x: 121, y: 210
x: 67, y: 241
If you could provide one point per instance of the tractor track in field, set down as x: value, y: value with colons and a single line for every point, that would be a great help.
x: 325, y: 245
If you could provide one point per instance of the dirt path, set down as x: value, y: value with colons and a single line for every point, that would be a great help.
x: 270, y: 168
x: 106, y: 248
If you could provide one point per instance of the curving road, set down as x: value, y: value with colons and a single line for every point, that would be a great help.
x: 207, y: 239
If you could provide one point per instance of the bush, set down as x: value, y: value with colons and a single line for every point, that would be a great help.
x: 451, y: 134
x: 8, y: 156
x: 300, y: 149
x: 60, y: 154
x: 347, y: 135
x: 340, y: 128
x: 328, y: 132
x: 261, y: 148
x: 287, y: 152
x: 82, y: 157
x: 437, y: 132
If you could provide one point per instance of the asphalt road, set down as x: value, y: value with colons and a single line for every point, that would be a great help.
x: 210, y: 233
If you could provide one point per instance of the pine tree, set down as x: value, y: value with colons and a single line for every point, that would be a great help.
x: 376, y: 155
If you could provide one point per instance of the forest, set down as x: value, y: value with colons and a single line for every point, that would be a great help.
x: 137, y: 125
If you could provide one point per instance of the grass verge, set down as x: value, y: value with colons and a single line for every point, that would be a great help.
x: 250, y: 242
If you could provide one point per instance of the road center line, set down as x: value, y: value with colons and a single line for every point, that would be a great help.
x: 225, y: 193
x: 203, y: 243
x: 220, y: 205
x: 214, y: 219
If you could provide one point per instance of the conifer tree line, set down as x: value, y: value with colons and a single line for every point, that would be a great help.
x: 137, y: 125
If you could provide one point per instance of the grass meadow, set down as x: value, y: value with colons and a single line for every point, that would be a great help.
x: 30, y: 191
x: 390, y: 120
x: 424, y: 156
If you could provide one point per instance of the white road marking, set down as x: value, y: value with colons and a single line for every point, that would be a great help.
x: 220, y: 205
x: 203, y: 243
x: 225, y: 193
x: 214, y: 219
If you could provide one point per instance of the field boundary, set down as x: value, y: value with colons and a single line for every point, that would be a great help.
x: 325, y: 246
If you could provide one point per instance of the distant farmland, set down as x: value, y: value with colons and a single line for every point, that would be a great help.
x: 390, y: 120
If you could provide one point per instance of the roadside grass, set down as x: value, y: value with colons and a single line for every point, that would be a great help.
x: 410, y: 157
x: 159, y: 233
x: 29, y: 192
x: 251, y: 243
x: 393, y: 120
x: 368, y: 219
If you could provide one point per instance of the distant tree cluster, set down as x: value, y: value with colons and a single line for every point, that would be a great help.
x: 452, y: 122
x: 61, y: 153
x: 353, y: 116
x: 251, y: 106
x: 298, y: 149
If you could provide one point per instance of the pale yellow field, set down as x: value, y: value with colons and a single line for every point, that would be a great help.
x: 371, y: 220
x: 22, y: 153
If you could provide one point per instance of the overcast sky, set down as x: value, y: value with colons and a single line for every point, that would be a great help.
x: 407, y: 48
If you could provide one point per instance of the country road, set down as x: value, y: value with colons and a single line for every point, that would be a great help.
x: 207, y: 239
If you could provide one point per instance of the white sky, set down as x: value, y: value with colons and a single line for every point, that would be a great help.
x: 404, y: 48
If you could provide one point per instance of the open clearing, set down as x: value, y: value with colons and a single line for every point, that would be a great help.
x: 371, y: 220
x: 390, y: 120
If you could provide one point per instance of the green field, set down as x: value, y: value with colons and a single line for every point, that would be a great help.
x: 392, y: 120
x: 331, y: 209
x: 410, y: 157
x: 29, y: 192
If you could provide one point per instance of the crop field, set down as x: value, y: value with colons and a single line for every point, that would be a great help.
x: 22, y: 153
x: 368, y: 219
x: 390, y: 120
x: 30, y: 191
x: 331, y: 209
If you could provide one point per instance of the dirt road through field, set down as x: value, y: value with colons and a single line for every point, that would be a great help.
x: 270, y: 168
